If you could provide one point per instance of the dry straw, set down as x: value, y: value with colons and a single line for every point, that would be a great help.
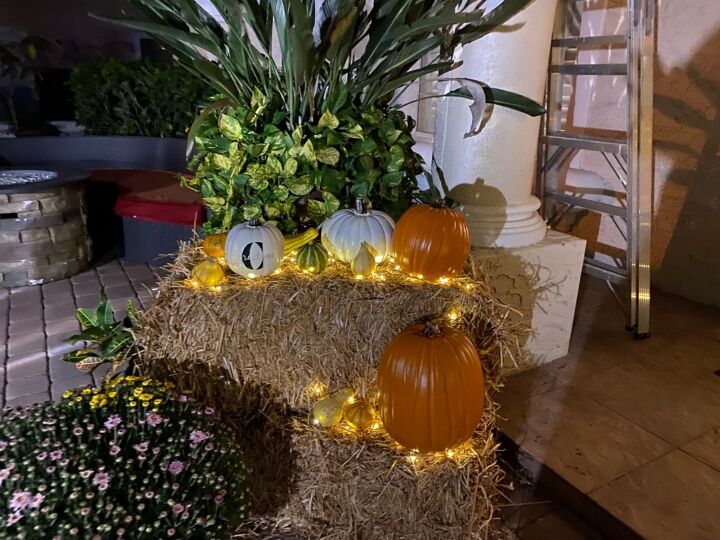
x: 254, y: 348
x: 292, y: 329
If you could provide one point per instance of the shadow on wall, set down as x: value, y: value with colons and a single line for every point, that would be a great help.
x: 476, y: 195
x: 686, y: 228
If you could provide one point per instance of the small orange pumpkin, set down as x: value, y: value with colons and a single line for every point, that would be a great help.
x: 431, y: 388
x: 214, y: 245
x: 432, y: 241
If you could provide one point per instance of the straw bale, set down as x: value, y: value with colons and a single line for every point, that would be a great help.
x: 290, y: 330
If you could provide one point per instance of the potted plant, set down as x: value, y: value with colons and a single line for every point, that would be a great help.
x: 294, y: 138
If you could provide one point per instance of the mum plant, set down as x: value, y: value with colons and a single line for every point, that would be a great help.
x: 315, y: 115
x: 132, y: 459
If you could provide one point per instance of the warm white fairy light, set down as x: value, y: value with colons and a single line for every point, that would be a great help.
x: 469, y: 286
x: 376, y: 426
x: 316, y: 421
x: 453, y: 315
x: 444, y: 280
x: 350, y: 400
x: 251, y: 276
x: 398, y: 267
x: 276, y: 272
x: 359, y: 277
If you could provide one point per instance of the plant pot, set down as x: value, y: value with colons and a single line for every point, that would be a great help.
x: 491, y: 175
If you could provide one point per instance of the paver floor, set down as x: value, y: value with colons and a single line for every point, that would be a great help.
x: 633, y: 426
x: 35, y: 320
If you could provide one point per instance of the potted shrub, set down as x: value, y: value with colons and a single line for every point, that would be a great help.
x: 290, y: 140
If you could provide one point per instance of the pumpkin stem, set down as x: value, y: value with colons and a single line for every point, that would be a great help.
x: 254, y: 222
x: 431, y: 330
x: 361, y: 206
x: 440, y: 203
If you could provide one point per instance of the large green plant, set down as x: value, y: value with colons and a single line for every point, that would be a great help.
x: 136, y: 98
x: 372, y: 51
x: 251, y: 164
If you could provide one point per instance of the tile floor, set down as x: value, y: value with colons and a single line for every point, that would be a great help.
x: 34, y: 321
x: 632, y: 426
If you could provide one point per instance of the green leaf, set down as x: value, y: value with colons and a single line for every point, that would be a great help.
x: 133, y: 314
x: 331, y: 180
x: 274, y: 165
x: 291, y: 166
x: 308, y: 152
x: 281, y: 193
x: 366, y: 146
x: 230, y: 127
x: 250, y: 211
x: 316, y: 210
x: 360, y: 189
x: 86, y: 317
x: 258, y: 183
x: 392, y: 179
x: 329, y: 156
x: 222, y: 162
x: 117, y: 344
x: 396, y: 159
x: 328, y: 120
x: 299, y: 186
x: 103, y: 313
x: 77, y: 356
x: 332, y: 204
x: 356, y: 132
x: 215, y: 204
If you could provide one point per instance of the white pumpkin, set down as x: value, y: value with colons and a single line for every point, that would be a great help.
x: 254, y: 249
x: 345, y: 231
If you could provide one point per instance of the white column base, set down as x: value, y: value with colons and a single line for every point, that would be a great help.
x: 541, y: 281
x: 508, y: 226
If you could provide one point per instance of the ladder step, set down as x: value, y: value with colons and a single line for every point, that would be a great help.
x: 589, y: 69
x: 605, y: 271
x: 590, y: 41
x: 586, y: 142
x: 587, y: 204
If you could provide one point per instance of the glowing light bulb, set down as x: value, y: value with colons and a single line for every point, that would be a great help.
x: 331, y: 259
x: 316, y: 421
x: 444, y: 280
x: 412, y: 459
x: 450, y: 453
x: 359, y: 277
x: 217, y: 288
x: 397, y: 267
x: 251, y: 276
x: 311, y: 269
x: 378, y: 259
x: 351, y: 400
x: 392, y: 259
x: 277, y: 271
x: 381, y: 277
x: 469, y: 286
x: 420, y: 276
x: 376, y: 426
x: 453, y: 315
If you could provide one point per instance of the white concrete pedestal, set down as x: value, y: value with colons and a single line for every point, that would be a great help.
x: 541, y: 281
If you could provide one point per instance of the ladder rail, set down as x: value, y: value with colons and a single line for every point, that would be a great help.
x: 632, y: 155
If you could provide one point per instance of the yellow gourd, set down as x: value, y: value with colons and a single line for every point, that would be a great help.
x: 360, y: 415
x: 208, y: 272
x: 328, y: 411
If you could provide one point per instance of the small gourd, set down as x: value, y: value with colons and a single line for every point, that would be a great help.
x: 312, y: 258
x: 360, y: 415
x: 209, y: 273
x: 328, y: 411
x: 364, y: 263
x: 214, y: 245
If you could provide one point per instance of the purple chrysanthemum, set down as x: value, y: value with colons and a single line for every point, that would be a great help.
x: 154, y: 419
x: 197, y: 436
x: 176, y: 467
x: 113, y: 421
x: 20, y: 500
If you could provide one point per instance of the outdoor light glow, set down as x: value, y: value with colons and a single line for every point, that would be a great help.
x: 420, y: 276
x: 221, y: 260
x: 444, y: 280
x: 381, y: 277
x: 397, y: 267
x: 317, y: 389
x: 453, y: 314
x: 359, y: 277
x: 311, y: 269
x: 376, y: 426
x: 351, y: 400
x: 217, y: 288
x: 378, y: 259
x: 316, y: 421
x: 276, y: 272
x: 469, y: 286
x: 450, y: 453
x: 251, y: 276
x: 392, y: 259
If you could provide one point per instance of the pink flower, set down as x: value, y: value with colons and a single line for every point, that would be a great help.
x: 4, y: 475
x: 177, y: 508
x: 14, y: 518
x: 219, y: 499
x: 149, y: 494
x: 56, y: 454
x: 176, y: 467
x: 85, y: 474
x: 101, y: 478
x: 153, y: 419
x: 209, y: 446
x: 142, y: 457
x: 50, y: 469
x: 78, y: 431
x: 3, y: 445
x: 113, y: 421
x: 182, y: 398
x: 209, y: 410
x: 85, y: 511
x: 42, y: 456
x: 142, y: 447
x: 37, y: 500
x: 171, y: 532
x: 197, y: 436
x: 20, y: 500
x: 64, y: 462
x: 114, y: 450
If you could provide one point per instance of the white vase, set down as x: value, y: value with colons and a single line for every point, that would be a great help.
x: 491, y: 174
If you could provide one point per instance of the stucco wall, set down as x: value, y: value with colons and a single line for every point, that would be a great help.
x: 686, y: 225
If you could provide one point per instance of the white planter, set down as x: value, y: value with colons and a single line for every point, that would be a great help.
x: 491, y: 175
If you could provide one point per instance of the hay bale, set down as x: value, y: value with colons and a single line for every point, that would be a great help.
x: 290, y: 330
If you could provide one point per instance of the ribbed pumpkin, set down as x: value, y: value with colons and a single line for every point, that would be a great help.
x: 431, y: 388
x: 344, y: 232
x: 214, y: 245
x: 312, y: 258
x: 254, y: 249
x: 432, y: 241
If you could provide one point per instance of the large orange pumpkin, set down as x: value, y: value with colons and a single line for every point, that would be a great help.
x: 432, y: 241
x: 431, y: 388
x: 214, y: 245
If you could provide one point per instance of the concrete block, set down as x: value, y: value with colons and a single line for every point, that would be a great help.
x: 541, y: 281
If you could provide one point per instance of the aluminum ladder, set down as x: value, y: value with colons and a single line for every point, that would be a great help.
x: 628, y: 154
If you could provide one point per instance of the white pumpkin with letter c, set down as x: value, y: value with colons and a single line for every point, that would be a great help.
x: 254, y: 249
